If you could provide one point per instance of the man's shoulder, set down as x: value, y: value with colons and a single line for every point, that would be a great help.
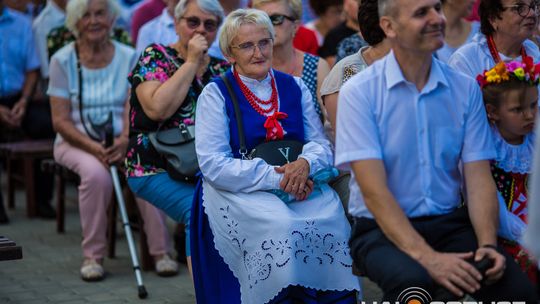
x: 368, y: 79
x: 19, y: 19
x: 150, y: 26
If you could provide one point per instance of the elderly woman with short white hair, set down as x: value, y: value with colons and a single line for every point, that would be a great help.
x: 264, y: 231
x: 87, y: 86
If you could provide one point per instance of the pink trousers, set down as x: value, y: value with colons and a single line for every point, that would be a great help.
x: 95, y: 192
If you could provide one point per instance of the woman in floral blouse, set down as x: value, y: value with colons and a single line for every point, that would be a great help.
x: 166, y: 83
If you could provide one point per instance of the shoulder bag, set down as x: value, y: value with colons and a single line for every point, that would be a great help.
x: 177, y: 147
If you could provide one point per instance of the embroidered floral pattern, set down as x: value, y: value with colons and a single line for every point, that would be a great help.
x: 155, y: 65
x: 308, y: 245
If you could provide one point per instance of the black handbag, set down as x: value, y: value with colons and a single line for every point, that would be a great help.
x: 276, y: 152
x: 177, y: 147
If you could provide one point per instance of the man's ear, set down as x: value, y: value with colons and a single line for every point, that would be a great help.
x: 492, y: 112
x: 387, y: 25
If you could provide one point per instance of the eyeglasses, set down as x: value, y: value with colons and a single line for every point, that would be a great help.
x: 195, y: 22
x: 249, y: 47
x: 523, y: 9
x: 278, y: 19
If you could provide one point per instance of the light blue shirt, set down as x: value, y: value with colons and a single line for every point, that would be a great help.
x: 158, y: 30
x: 444, y: 53
x: 421, y: 137
x: 17, y: 51
x: 474, y: 57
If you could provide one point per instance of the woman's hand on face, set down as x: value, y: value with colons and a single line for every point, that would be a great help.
x: 197, y: 48
x: 295, y: 177
x: 116, y: 153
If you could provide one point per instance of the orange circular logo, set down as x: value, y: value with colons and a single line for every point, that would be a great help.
x: 414, y: 295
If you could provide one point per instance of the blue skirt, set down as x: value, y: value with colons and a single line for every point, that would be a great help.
x: 214, y: 281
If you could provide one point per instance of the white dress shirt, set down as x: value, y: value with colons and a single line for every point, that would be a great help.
x: 421, y: 137
x: 474, y: 57
x: 158, y: 30
x: 50, y: 17
x: 214, y: 153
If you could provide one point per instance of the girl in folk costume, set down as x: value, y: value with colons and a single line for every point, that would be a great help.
x: 510, y: 92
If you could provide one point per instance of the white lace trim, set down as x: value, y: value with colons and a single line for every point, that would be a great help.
x: 514, y: 158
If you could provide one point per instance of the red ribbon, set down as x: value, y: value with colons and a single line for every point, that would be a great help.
x: 274, y: 130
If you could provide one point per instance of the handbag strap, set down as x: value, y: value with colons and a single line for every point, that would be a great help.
x: 79, y: 73
x: 239, y: 122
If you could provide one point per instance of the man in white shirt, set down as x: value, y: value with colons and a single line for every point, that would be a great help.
x: 414, y: 131
x: 52, y: 16
x: 159, y: 30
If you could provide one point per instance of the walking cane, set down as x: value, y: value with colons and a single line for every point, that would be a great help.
x: 106, y: 129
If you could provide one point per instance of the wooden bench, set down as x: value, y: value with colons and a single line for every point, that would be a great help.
x: 26, y: 151
x: 9, y: 250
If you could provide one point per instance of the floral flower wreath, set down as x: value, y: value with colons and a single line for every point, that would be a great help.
x: 525, y: 71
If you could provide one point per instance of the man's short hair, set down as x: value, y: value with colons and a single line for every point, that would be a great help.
x: 387, y: 7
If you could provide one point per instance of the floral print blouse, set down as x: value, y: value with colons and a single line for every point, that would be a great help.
x: 158, y: 63
x: 61, y: 36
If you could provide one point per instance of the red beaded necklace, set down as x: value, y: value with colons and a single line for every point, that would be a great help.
x: 495, y: 53
x: 254, y: 101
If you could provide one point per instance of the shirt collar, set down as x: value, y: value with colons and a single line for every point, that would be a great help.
x: 166, y: 19
x: 394, y: 76
x: 56, y: 9
x: 6, y: 15
x: 251, y: 82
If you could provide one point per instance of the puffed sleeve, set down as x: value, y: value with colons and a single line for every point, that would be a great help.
x: 58, y: 79
x: 214, y: 153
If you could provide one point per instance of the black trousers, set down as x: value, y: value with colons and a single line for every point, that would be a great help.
x: 393, y: 270
x: 36, y: 124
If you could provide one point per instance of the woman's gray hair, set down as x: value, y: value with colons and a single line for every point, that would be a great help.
x: 75, y: 9
x: 235, y: 20
x: 210, y: 6
x: 294, y: 5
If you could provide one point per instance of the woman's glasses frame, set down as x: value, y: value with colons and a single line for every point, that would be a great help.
x: 194, y: 22
x: 523, y: 9
x: 249, y: 47
x: 278, y: 19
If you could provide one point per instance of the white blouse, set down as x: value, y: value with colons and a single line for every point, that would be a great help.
x: 212, y: 137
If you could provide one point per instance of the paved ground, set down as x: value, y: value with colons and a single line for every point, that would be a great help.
x: 49, y: 270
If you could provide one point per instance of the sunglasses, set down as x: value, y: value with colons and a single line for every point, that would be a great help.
x: 195, y: 22
x: 278, y: 19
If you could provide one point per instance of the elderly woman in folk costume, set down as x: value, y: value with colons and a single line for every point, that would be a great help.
x: 264, y: 233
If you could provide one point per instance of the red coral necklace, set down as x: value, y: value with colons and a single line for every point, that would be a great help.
x: 254, y: 101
